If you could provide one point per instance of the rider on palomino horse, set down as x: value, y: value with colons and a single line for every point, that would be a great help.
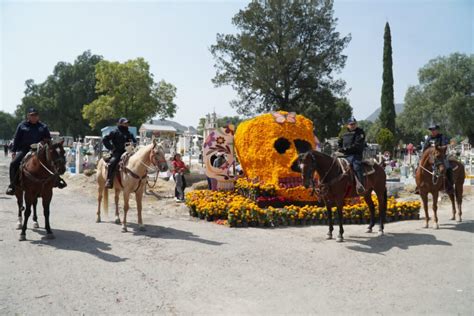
x: 439, y: 139
x: 29, y: 132
x: 352, y: 144
x: 115, y: 142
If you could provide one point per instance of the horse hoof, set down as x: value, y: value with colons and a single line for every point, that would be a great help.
x: 22, y: 237
x: 339, y: 239
x: 117, y: 221
x: 380, y: 233
x: 328, y: 236
x: 18, y: 226
x: 452, y: 218
x: 97, y: 220
x: 459, y: 220
x: 50, y: 236
x: 425, y: 226
x: 436, y: 226
x: 142, y: 228
x: 36, y: 225
x: 124, y: 229
x: 369, y: 230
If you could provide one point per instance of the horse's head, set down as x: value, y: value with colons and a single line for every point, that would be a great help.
x: 307, y: 167
x: 158, y: 157
x: 437, y: 158
x: 56, y: 156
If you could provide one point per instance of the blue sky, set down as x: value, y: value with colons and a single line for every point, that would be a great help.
x: 175, y: 36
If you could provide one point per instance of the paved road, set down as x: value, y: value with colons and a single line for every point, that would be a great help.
x: 183, y: 266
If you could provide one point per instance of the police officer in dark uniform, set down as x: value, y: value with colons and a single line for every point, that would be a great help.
x: 115, y: 141
x: 438, y: 139
x: 352, y: 144
x: 29, y: 132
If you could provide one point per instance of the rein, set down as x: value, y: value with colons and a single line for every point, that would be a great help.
x: 141, y: 178
x: 322, y: 188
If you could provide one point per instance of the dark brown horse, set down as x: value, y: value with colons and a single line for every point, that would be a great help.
x: 431, y: 178
x: 38, y: 174
x: 337, y: 182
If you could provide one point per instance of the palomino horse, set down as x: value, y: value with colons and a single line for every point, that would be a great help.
x: 431, y: 177
x: 130, y: 178
x: 337, y: 182
x: 38, y: 173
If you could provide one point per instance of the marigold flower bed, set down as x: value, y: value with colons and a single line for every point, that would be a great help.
x: 240, y: 211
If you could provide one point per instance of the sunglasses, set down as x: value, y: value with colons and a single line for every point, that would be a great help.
x: 33, y: 114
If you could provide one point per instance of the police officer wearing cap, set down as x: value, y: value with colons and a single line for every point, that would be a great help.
x: 438, y: 139
x: 352, y: 144
x: 115, y: 142
x: 29, y: 132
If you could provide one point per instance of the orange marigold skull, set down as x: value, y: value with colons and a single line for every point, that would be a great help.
x: 268, y: 145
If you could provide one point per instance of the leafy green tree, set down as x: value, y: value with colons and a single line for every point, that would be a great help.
x: 284, y: 58
x: 444, y: 96
x: 128, y: 89
x: 386, y: 139
x: 61, y: 97
x: 387, y: 112
x: 8, y: 125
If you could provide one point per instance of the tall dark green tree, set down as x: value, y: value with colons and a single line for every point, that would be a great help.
x: 284, y: 57
x: 387, y: 113
x: 8, y: 125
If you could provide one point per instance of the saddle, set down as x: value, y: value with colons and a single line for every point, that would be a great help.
x: 367, y: 166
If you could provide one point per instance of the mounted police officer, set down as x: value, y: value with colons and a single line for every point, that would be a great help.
x: 29, y: 132
x: 115, y: 141
x: 352, y: 144
x: 438, y: 139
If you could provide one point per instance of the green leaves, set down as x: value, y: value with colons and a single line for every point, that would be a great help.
x: 127, y: 89
x: 283, y: 58
x: 444, y: 96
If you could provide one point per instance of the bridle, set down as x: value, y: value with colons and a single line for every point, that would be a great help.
x: 53, y: 164
x: 435, y: 174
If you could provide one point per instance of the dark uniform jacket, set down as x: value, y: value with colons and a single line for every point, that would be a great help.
x: 352, y: 142
x: 27, y: 134
x: 116, y: 140
x: 439, y: 140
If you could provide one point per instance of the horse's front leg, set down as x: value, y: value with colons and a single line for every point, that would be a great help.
x: 435, y: 208
x: 117, y: 211
x: 28, y: 202
x: 46, y: 203
x: 340, y: 216
x: 370, y: 203
x: 35, y: 215
x: 458, y: 191
x: 139, y: 197
x: 424, y: 198
x: 19, y: 201
x: 126, y: 197
x: 331, y: 228
x: 453, y: 206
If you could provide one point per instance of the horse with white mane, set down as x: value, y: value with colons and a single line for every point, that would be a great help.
x: 130, y: 178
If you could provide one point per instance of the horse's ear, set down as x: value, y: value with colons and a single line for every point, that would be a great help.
x: 154, y: 142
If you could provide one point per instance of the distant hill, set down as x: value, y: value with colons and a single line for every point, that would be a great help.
x: 398, y: 109
x: 179, y: 127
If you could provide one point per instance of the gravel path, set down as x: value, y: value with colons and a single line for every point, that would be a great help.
x: 183, y: 266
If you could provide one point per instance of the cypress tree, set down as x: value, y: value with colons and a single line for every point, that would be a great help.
x: 387, y: 112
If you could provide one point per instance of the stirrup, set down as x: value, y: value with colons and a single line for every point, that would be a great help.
x: 61, y: 184
x: 109, y: 184
x: 10, y: 190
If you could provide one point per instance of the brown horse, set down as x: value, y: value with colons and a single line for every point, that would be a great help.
x: 337, y: 182
x: 38, y: 174
x: 130, y: 178
x: 431, y: 178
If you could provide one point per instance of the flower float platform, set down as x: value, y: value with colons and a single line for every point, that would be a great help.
x: 236, y: 210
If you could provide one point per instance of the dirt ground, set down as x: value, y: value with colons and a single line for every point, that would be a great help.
x: 183, y: 266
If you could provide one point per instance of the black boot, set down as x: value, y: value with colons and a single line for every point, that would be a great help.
x: 109, y: 184
x: 60, y: 183
x: 359, y: 180
x: 10, y: 190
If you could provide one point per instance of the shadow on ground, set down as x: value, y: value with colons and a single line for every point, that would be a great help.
x: 467, y: 226
x: 161, y: 232
x: 76, y: 241
x: 381, y: 244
